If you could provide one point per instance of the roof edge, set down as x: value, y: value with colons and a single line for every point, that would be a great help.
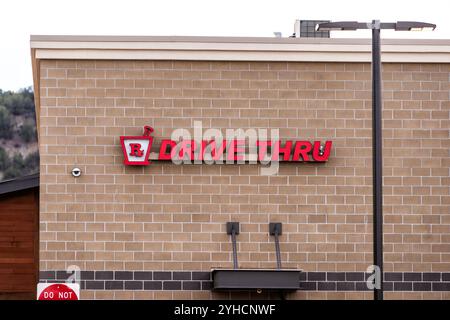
x: 224, y: 39
x: 235, y: 49
x: 20, y: 183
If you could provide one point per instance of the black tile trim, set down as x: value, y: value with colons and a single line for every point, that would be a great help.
x: 422, y: 286
x: 123, y: 275
x: 162, y: 275
x: 403, y: 286
x: 393, y: 276
x: 104, y: 275
x: 308, y: 286
x: 346, y: 286
x: 172, y: 285
x: 412, y: 276
x: 431, y: 276
x: 354, y: 276
x: 134, y: 285
x: 441, y: 286
x: 362, y: 286
x: 192, y: 285
x: 335, y: 276
x: 143, y: 275
x: 388, y: 286
x: 201, y: 275
x: 113, y: 285
x: 326, y: 286
x: 201, y: 280
x: 152, y: 285
x: 47, y: 275
x: 95, y: 285
x: 181, y: 276
x: 317, y: 276
x: 87, y: 275
x: 207, y: 285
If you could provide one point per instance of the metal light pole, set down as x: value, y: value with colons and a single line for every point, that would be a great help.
x: 377, y: 158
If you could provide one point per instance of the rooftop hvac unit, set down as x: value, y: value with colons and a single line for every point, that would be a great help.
x: 307, y: 29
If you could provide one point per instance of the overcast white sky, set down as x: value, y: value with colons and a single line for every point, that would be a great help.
x: 259, y: 18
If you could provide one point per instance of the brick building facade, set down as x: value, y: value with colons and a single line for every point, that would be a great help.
x: 156, y: 232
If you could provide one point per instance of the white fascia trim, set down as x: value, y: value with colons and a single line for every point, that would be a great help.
x: 235, y: 46
x: 238, y: 51
x: 194, y: 55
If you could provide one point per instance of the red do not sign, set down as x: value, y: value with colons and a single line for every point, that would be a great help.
x: 58, y: 291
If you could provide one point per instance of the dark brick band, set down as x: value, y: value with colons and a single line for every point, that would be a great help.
x: 201, y: 280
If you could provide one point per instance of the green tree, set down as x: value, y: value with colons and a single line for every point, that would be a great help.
x: 6, y: 131
x: 18, y: 103
x: 28, y: 131
x: 4, y: 159
x: 16, y: 167
x: 32, y: 163
x: 18, y: 162
x: 15, y: 106
x: 22, y: 167
x: 11, y: 173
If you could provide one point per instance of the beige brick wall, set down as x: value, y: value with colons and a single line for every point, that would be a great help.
x: 168, y: 217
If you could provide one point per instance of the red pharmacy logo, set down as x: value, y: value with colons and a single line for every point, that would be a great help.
x: 136, y: 149
x: 58, y: 291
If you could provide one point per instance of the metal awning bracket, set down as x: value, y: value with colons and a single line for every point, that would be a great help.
x: 275, y: 229
x: 233, y: 230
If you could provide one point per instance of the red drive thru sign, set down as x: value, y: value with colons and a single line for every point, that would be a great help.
x: 136, y: 149
x: 58, y: 291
